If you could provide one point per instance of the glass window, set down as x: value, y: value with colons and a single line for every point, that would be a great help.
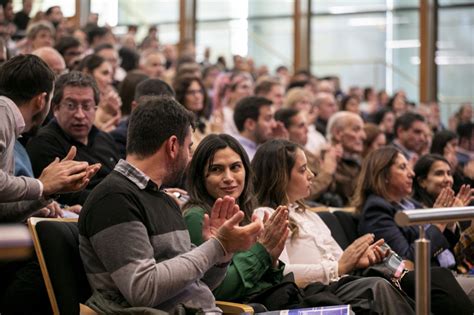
x: 221, y: 9
x: 455, y: 57
x: 280, y: 8
x: 270, y: 42
x: 67, y: 6
x: 349, y: 46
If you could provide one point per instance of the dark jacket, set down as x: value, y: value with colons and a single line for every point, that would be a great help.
x: 378, y: 217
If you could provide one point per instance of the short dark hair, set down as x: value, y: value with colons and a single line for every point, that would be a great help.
x: 464, y: 131
x: 49, y: 11
x: 285, y: 114
x: 406, y: 120
x: 96, y: 31
x: 65, y: 43
x: 103, y: 47
x: 154, y: 121
x: 264, y: 86
x: 91, y: 62
x: 249, y: 107
x: 25, y: 76
x: 440, y: 140
x: 74, y: 79
x: 153, y: 87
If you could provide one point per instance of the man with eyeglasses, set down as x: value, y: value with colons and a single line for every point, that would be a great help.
x: 74, y: 106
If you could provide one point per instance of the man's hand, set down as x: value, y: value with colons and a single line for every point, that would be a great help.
x: 222, y: 210
x: 275, y: 232
x: 53, y: 210
x: 67, y: 175
x: 351, y: 256
x: 373, y: 255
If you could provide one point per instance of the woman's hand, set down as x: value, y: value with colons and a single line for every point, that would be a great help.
x: 373, y: 255
x: 275, y: 232
x: 465, y: 196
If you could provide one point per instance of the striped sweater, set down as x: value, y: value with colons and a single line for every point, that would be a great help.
x: 135, y: 246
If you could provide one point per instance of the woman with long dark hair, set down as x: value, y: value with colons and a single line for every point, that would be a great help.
x: 311, y: 254
x: 220, y: 167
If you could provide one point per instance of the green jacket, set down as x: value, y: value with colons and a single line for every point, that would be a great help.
x: 249, y: 273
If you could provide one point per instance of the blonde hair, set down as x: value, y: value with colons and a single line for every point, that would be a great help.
x: 295, y: 95
x: 34, y: 28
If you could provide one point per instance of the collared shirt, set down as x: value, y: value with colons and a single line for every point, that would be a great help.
x: 407, y: 153
x: 19, y: 120
x: 249, y: 146
x: 314, y: 255
x: 135, y: 175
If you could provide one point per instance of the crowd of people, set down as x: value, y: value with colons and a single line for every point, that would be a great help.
x: 194, y: 180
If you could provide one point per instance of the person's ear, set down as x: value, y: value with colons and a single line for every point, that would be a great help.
x: 422, y: 182
x: 172, y: 147
x: 133, y: 105
x: 250, y: 124
x: 40, y: 101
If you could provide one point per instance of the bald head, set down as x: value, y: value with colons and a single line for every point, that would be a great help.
x: 346, y: 128
x: 52, y: 58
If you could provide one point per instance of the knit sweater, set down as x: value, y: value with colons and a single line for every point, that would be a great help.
x: 136, y: 248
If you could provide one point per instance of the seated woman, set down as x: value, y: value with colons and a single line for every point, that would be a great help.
x: 220, y: 167
x: 311, y: 253
x: 383, y: 188
x: 108, y: 111
x: 432, y: 187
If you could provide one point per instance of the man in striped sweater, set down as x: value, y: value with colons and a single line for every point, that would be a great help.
x: 133, y: 240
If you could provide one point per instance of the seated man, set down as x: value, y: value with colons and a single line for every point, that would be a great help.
x: 133, y: 239
x: 74, y: 105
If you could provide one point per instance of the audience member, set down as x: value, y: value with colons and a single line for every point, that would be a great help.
x: 347, y: 130
x: 148, y: 87
x: 220, y: 167
x: 74, y: 105
x: 52, y: 58
x: 374, y: 138
x: 108, y: 111
x: 311, y: 254
x: 71, y: 49
x: 327, y: 106
x: 254, y: 119
x: 410, y: 135
x: 271, y: 89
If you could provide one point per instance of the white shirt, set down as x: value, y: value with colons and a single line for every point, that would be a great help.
x: 316, y: 141
x: 313, y: 256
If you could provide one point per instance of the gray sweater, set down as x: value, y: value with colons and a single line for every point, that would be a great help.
x: 136, y: 248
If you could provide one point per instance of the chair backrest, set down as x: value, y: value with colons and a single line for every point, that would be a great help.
x: 56, y: 243
x: 343, y: 226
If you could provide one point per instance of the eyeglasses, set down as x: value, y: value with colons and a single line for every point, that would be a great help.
x: 73, y: 107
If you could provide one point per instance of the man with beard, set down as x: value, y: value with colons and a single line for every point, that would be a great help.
x: 74, y: 106
x: 255, y: 121
x: 133, y: 239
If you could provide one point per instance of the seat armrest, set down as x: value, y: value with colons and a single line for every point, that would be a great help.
x: 234, y: 308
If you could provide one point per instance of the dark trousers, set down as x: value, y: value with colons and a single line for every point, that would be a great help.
x: 447, y: 297
x: 22, y: 289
